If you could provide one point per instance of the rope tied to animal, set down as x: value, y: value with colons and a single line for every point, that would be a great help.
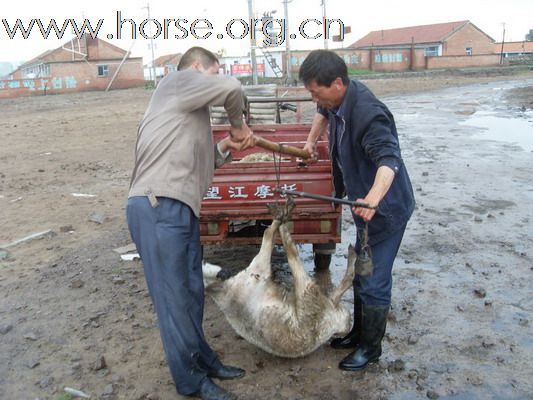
x: 363, y: 235
x: 363, y: 264
x: 277, y: 170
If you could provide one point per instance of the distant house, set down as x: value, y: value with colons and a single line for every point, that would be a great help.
x: 444, y: 45
x: 445, y: 39
x: 268, y: 65
x: 241, y: 66
x: 514, y: 49
x: 78, y: 65
x: 167, y: 63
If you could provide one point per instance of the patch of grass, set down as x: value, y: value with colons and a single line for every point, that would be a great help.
x: 353, y: 71
x: 149, y: 85
x: 65, y: 396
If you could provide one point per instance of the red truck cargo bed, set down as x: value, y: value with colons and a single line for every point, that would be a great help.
x: 234, y: 209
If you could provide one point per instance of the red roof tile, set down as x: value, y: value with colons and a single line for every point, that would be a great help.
x: 167, y: 59
x: 433, y: 33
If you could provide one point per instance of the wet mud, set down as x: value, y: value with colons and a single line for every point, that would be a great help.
x: 73, y: 314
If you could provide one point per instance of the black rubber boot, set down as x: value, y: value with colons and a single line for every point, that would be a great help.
x: 351, y: 340
x: 369, y: 349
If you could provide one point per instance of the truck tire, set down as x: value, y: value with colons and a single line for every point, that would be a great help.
x: 322, y: 261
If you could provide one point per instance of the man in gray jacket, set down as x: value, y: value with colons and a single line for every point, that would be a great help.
x: 175, y: 158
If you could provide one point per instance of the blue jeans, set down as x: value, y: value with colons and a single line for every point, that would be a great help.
x: 375, y: 289
x: 168, y: 240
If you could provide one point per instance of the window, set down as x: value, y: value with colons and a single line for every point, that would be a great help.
x: 468, y: 51
x: 103, y: 70
x: 36, y: 71
x: 431, y: 51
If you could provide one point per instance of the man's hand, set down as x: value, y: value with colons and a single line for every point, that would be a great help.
x: 310, y: 147
x: 366, y: 213
x: 240, y: 134
x: 318, y: 128
x: 382, y: 183
x: 229, y: 144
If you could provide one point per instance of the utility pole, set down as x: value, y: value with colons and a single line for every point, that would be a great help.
x: 287, y: 40
x: 323, y: 4
x: 503, y: 40
x: 252, y: 41
x: 153, y: 73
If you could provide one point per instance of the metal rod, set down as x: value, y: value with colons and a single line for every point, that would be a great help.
x: 253, y: 43
x: 287, y: 41
x: 251, y: 99
x: 325, y: 198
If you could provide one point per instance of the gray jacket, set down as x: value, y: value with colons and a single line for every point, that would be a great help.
x: 175, y: 156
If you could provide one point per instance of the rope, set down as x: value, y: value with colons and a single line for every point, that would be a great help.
x: 363, y: 237
x: 277, y: 169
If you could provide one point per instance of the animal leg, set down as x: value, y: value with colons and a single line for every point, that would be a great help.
x: 267, y: 243
x: 301, y: 278
x: 347, y: 280
x: 261, y: 262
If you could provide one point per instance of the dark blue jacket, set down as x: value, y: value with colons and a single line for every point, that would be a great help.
x: 369, y: 140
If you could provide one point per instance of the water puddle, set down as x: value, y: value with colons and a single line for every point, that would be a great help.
x: 510, y: 130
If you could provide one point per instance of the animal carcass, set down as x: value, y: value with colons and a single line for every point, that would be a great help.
x: 284, y: 322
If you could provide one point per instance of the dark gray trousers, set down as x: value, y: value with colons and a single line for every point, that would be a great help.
x: 168, y: 240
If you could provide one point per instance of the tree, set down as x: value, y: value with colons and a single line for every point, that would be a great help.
x: 529, y: 36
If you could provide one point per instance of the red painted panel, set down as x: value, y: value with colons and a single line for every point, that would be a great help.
x: 241, y: 191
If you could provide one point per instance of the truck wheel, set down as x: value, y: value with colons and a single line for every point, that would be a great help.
x: 322, y: 261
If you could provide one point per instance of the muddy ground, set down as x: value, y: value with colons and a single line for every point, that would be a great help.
x: 73, y: 314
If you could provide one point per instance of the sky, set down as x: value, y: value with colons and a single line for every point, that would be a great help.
x: 213, y: 16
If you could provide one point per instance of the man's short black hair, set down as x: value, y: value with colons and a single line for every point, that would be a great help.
x: 194, y: 54
x: 323, y: 67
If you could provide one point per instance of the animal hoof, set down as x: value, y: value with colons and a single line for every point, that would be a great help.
x: 282, y: 213
x: 224, y: 274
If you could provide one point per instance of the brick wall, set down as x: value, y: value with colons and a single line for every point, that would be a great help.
x: 463, y: 61
x: 389, y: 60
x: 75, y: 77
x: 396, y: 60
x: 471, y: 37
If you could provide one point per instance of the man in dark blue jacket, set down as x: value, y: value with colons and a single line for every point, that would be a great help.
x: 367, y: 167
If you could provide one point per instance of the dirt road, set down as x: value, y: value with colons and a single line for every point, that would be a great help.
x: 72, y: 314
